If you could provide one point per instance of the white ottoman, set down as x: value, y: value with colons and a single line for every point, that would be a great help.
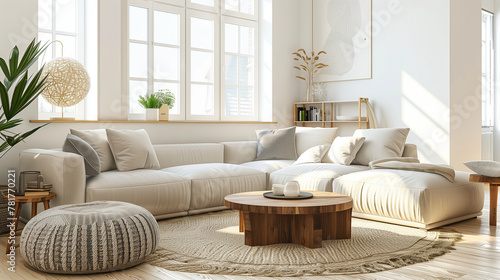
x: 411, y: 198
x: 93, y: 237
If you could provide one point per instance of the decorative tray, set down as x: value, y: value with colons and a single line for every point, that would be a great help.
x: 302, y: 195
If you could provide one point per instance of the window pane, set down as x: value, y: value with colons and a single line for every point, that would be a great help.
x: 246, y: 102
x: 45, y: 14
x: 44, y: 106
x: 166, y: 28
x: 136, y: 89
x: 202, y: 67
x: 138, y: 61
x: 166, y: 63
x: 71, y: 109
x: 246, y: 40
x: 66, y: 17
x: 138, y: 23
x: 69, y: 46
x: 202, y: 100
x: 231, y: 5
x: 203, y: 2
x: 47, y: 56
x: 231, y: 38
x: 231, y: 101
x: 246, y: 71
x: 174, y: 88
x: 202, y: 33
x: 231, y: 76
x: 247, y: 6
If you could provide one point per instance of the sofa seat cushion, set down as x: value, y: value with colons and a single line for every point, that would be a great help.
x: 313, y: 176
x: 423, y: 199
x: 211, y: 182
x: 268, y: 165
x: 159, y: 192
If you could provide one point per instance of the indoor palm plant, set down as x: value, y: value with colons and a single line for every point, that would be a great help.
x: 157, y: 104
x: 17, y: 91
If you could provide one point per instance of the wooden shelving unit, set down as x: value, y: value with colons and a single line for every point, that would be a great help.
x: 331, y: 107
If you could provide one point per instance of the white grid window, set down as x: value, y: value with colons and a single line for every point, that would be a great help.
x: 181, y: 46
x: 488, y: 70
x: 65, y: 21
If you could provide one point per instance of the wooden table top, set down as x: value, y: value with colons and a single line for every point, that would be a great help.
x: 476, y: 178
x: 35, y: 198
x: 255, y: 202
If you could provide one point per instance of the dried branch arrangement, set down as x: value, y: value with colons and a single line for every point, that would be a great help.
x: 311, y: 67
x: 309, y: 64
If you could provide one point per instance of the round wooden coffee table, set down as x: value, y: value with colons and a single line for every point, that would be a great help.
x: 307, y: 222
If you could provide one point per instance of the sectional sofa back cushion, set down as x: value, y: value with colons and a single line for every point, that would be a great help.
x: 380, y: 143
x: 308, y: 137
x: 170, y: 155
x: 132, y: 149
x: 276, y: 144
x: 75, y: 144
x: 239, y: 152
x: 98, y: 140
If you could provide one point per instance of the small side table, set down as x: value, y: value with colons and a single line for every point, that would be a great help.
x: 21, y: 200
x: 493, y: 183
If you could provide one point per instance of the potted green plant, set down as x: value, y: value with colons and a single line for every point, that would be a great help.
x: 157, y: 104
x: 23, y: 88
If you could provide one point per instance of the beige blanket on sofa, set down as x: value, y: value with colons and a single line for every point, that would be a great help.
x: 414, y: 165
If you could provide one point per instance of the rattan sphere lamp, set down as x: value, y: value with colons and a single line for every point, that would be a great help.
x: 67, y: 83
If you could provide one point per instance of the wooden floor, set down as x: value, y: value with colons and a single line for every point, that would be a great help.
x: 476, y: 257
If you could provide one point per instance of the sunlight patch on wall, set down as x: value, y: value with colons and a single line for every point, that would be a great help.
x: 426, y: 115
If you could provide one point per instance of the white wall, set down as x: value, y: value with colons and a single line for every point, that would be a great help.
x: 284, y: 86
x: 489, y: 5
x: 412, y: 79
x: 465, y: 86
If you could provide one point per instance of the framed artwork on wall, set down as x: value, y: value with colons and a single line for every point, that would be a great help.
x: 343, y: 29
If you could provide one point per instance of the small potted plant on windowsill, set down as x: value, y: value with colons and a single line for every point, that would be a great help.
x: 157, y: 104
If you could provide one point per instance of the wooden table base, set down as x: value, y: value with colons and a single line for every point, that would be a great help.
x: 307, y: 230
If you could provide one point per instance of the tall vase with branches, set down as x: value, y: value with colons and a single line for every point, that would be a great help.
x: 17, y: 91
x: 309, y: 66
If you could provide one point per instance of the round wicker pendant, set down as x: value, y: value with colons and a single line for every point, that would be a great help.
x: 67, y: 82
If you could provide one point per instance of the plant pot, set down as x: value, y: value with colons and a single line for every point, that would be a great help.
x: 152, y: 114
x: 164, y: 112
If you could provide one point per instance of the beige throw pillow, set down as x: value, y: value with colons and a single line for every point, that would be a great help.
x: 344, y: 150
x: 312, y: 155
x: 98, y: 140
x: 380, y: 143
x: 132, y: 149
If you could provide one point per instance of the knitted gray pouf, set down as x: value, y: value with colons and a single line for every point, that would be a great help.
x: 90, y: 237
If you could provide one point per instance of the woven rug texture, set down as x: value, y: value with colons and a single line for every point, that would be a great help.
x: 212, y: 244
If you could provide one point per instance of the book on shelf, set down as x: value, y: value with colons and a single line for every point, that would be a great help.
x: 28, y: 193
x: 37, y: 190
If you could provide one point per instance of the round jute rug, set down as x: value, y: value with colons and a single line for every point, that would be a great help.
x: 211, y: 243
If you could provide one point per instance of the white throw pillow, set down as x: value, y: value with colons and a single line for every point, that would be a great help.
x: 312, y: 155
x: 484, y: 167
x: 380, y: 143
x: 344, y: 150
x: 98, y: 140
x: 132, y: 149
x: 308, y: 137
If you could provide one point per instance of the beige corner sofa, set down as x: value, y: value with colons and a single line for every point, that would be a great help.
x: 195, y: 178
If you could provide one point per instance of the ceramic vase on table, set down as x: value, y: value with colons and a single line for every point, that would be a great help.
x: 152, y: 114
